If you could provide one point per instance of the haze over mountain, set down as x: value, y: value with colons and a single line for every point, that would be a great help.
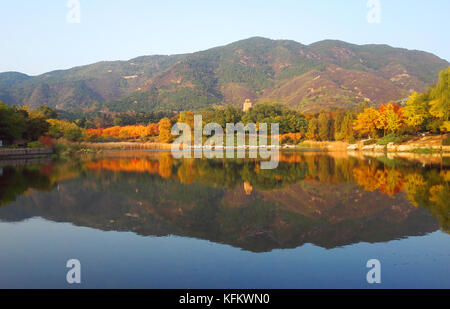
x: 324, y: 75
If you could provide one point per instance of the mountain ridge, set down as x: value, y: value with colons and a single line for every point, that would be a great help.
x: 323, y: 75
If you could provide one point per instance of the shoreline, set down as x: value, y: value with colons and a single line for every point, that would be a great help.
x: 408, y: 147
x: 423, y: 146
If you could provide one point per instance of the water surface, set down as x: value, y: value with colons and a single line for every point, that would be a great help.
x: 145, y: 220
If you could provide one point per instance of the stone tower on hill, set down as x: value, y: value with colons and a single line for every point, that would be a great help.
x: 247, y: 105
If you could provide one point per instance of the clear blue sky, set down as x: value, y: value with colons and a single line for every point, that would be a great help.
x: 37, y: 38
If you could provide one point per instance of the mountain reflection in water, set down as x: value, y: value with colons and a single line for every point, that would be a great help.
x: 329, y: 200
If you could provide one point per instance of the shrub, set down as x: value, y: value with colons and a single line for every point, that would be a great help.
x: 35, y: 145
x: 369, y: 142
x: 286, y: 140
x: 59, y: 148
x: 47, y: 141
x: 65, y: 149
x: 68, y: 130
x: 446, y: 141
x: 304, y: 146
x: 424, y: 151
x: 391, y: 138
x: 291, y: 138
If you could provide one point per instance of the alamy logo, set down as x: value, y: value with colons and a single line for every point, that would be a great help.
x: 235, y: 138
x: 74, y: 274
x: 374, y: 15
x: 374, y: 274
x: 74, y: 14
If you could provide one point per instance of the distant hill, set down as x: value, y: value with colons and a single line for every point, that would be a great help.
x: 324, y: 75
x: 82, y: 87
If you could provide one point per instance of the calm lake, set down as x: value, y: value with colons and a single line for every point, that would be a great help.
x: 141, y: 219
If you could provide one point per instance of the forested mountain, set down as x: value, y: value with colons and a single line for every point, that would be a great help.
x: 324, y: 75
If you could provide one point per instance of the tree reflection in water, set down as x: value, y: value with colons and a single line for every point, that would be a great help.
x: 326, y: 199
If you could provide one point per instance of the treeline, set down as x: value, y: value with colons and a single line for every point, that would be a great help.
x: 426, y: 112
x: 24, y: 127
x: 106, y: 120
x: 123, y: 133
x: 290, y: 121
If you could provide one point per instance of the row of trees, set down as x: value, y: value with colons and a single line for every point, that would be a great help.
x: 123, y: 132
x: 290, y: 121
x: 100, y: 120
x: 294, y: 126
x: 22, y: 125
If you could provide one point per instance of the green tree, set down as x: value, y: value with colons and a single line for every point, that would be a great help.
x: 12, y: 123
x: 324, y: 126
x: 47, y: 112
x: 312, y: 133
x: 36, y: 126
x: 292, y: 122
x: 440, y: 97
x: 65, y: 129
x: 266, y: 112
x: 344, y: 126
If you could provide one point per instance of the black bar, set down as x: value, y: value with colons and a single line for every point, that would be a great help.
x: 219, y: 297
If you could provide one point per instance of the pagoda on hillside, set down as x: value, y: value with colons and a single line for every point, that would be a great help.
x: 247, y: 105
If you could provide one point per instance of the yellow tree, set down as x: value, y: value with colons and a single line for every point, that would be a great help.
x: 416, y: 110
x: 165, y: 128
x: 366, y: 122
x: 390, y: 118
x: 446, y: 126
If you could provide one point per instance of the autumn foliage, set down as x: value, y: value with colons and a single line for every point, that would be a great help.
x: 119, y: 133
x: 291, y: 138
x: 47, y: 141
x: 388, y: 118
